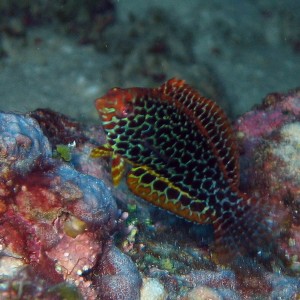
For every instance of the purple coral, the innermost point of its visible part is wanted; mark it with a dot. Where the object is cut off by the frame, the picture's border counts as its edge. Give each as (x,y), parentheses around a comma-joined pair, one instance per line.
(117,277)
(96,207)
(22,142)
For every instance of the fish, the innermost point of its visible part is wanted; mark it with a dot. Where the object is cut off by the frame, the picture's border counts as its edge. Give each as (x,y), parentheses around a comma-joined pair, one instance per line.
(184,159)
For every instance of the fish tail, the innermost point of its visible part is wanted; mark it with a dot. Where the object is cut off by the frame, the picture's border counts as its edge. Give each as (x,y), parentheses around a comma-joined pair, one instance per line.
(246,230)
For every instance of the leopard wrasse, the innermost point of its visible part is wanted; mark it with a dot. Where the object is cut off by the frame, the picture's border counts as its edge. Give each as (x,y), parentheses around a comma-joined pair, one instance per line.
(184,158)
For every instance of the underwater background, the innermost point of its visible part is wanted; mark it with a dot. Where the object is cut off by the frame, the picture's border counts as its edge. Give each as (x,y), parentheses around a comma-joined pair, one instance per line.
(64,54)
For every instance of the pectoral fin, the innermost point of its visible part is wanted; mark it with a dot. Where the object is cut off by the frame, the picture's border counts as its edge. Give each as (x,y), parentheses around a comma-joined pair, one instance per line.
(117,164)
(102,151)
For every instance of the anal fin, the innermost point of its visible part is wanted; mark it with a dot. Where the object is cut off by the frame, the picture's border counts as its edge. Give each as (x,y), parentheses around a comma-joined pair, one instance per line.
(158,190)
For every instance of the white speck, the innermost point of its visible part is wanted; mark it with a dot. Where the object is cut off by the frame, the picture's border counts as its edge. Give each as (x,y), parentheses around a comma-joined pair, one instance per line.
(85,268)
(66,254)
(124,215)
(292,242)
(72,145)
(58,268)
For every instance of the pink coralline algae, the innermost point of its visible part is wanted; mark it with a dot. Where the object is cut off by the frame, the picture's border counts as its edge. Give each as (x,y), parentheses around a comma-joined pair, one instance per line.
(269,138)
(276,110)
(55,222)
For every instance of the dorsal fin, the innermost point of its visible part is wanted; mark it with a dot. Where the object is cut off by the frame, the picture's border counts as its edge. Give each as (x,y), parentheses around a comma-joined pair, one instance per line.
(214,123)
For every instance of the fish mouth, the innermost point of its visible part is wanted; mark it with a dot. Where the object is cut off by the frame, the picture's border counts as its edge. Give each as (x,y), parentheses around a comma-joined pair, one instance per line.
(105,104)
(105,109)
(117,102)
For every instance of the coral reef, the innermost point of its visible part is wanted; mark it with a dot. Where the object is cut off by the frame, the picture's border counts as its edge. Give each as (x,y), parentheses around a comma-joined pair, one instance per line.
(56,223)
(60,224)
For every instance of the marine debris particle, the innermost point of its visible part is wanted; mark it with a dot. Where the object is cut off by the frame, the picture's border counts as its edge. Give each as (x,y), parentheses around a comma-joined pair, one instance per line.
(184,159)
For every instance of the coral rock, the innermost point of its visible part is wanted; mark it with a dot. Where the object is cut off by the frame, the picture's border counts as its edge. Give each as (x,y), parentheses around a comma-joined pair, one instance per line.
(152,289)
(202,292)
(22,142)
(118,277)
(269,139)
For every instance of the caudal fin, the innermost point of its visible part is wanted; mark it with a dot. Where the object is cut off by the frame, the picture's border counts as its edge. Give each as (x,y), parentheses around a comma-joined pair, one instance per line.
(248,232)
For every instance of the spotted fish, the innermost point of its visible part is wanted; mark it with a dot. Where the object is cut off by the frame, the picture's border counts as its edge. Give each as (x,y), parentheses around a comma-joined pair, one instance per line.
(183,155)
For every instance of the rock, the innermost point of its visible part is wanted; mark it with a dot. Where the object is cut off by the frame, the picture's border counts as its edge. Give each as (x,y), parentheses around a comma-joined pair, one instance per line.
(152,289)
(269,140)
(117,277)
(203,293)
